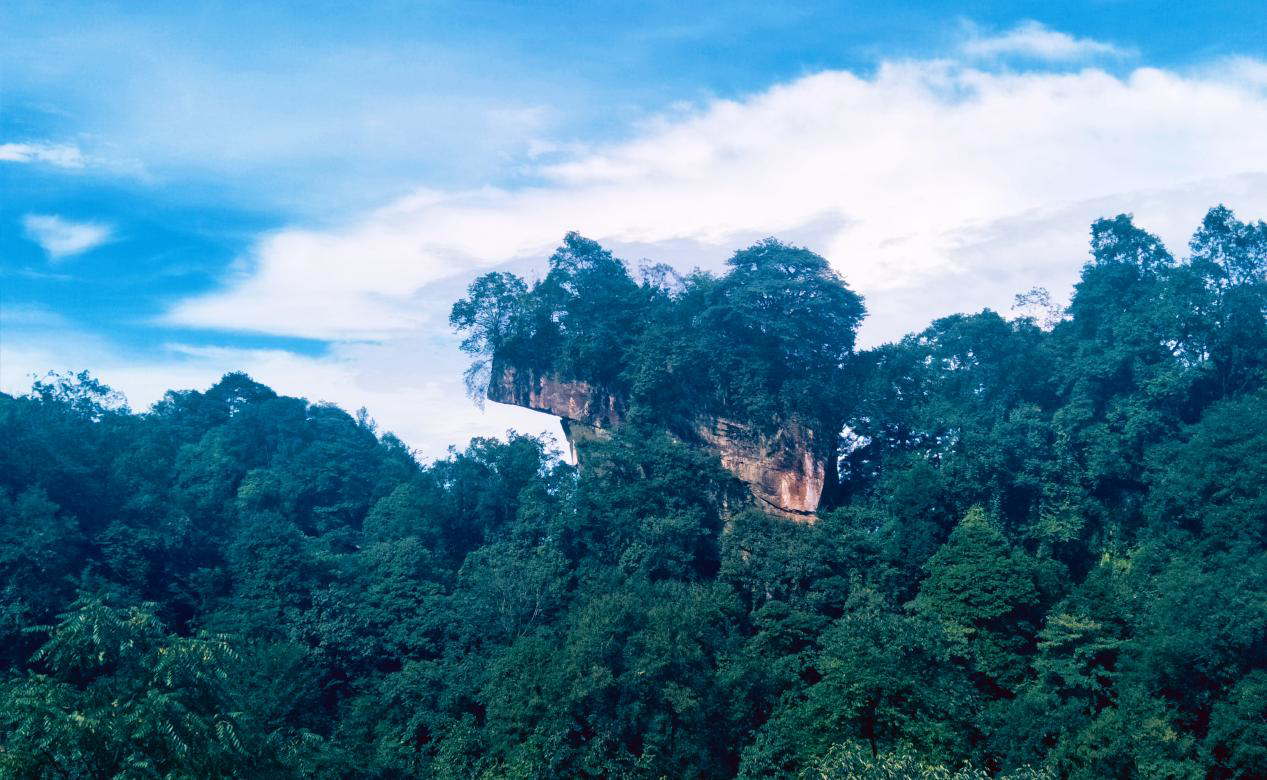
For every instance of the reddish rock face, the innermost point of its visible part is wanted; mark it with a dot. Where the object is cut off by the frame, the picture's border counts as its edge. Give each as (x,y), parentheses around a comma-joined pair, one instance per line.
(783,470)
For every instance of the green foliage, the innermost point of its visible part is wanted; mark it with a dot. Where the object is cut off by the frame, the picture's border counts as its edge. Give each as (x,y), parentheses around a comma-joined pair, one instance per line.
(983,594)
(493,320)
(119,698)
(879,676)
(1047,556)
(1213,481)
(766,342)
(851,761)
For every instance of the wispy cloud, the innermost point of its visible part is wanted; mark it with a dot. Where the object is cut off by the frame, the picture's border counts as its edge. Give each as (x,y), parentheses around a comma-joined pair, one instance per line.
(62,238)
(29,315)
(59,155)
(1033,40)
(371,113)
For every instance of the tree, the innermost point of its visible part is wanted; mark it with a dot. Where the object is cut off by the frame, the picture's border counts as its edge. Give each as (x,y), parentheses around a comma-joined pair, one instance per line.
(119,698)
(1211,481)
(1237,740)
(983,593)
(595,304)
(1229,260)
(854,761)
(882,678)
(788,322)
(41,553)
(493,318)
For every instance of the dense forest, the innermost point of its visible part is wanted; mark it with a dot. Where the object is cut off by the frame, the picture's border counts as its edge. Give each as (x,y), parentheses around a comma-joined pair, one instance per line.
(1044,555)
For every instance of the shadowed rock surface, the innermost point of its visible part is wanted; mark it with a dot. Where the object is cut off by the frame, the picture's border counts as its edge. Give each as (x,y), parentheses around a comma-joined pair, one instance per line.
(783,470)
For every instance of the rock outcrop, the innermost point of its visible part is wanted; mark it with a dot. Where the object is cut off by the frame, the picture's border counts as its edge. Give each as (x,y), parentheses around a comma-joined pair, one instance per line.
(785,471)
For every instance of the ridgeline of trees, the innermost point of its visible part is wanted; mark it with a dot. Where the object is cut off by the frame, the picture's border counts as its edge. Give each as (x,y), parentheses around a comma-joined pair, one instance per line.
(1047,556)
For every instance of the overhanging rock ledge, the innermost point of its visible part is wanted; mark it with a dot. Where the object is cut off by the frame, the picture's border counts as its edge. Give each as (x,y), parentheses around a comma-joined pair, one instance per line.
(784,470)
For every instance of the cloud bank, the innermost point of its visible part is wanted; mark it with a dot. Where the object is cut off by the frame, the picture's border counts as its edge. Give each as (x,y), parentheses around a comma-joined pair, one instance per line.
(924,176)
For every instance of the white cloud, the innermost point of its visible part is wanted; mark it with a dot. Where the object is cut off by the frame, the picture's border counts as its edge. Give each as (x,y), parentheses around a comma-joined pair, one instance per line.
(60,155)
(1035,41)
(62,238)
(908,181)
(407,397)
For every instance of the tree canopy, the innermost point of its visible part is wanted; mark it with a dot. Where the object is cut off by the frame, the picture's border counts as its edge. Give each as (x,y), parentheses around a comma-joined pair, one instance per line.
(767,341)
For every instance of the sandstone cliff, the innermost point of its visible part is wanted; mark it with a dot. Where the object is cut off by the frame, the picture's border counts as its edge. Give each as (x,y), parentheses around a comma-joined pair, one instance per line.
(784,470)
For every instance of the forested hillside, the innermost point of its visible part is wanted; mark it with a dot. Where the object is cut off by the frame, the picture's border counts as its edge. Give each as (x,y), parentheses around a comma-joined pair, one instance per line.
(1045,554)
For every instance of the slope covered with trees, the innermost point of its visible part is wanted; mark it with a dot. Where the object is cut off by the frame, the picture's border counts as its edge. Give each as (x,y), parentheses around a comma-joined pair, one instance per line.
(1047,555)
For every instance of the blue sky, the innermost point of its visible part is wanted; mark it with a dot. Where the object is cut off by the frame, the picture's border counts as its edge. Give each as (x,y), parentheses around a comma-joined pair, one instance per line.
(301,190)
